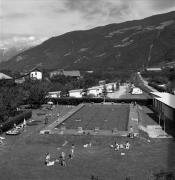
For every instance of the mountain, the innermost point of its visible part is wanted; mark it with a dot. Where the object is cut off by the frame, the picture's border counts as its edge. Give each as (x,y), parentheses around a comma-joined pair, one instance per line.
(11,45)
(7,53)
(123,46)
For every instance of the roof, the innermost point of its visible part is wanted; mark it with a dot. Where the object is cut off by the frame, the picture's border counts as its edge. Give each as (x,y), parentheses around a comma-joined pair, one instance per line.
(95,87)
(54,92)
(154,69)
(71,73)
(66,73)
(75,90)
(4,76)
(22,76)
(35,69)
(165,98)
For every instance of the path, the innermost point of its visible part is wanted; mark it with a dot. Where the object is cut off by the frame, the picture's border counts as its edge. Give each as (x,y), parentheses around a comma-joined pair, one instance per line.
(150,126)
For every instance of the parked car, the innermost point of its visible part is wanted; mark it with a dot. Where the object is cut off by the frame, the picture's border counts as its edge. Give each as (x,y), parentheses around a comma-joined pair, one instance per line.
(32,122)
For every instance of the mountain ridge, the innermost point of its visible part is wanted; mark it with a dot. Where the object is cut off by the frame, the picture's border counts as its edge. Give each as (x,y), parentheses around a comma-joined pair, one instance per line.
(117,46)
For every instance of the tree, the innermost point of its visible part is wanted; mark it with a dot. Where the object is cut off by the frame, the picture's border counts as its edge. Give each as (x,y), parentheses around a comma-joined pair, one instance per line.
(85,91)
(10,99)
(64,92)
(37,93)
(104,92)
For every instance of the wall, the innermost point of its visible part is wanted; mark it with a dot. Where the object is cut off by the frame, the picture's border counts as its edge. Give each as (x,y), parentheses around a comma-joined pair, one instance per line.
(36,74)
(75,94)
(168,112)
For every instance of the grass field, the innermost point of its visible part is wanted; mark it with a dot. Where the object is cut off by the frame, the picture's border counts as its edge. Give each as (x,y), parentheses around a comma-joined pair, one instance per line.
(106,117)
(22,157)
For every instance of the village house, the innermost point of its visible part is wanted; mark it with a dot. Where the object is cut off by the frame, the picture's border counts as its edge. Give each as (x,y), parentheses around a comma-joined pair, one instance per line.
(73,74)
(36,74)
(4,76)
(21,79)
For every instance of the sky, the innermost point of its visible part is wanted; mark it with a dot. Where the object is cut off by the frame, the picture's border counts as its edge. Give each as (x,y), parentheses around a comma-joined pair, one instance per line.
(37,20)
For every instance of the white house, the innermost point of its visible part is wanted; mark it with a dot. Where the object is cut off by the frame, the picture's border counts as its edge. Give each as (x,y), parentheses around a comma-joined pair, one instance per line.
(76,93)
(36,74)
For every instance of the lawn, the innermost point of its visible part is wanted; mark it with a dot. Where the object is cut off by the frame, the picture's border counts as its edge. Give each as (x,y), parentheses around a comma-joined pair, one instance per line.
(106,117)
(22,157)
(25,159)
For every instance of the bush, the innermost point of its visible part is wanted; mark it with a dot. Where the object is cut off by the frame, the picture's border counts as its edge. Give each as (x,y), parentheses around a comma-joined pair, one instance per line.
(76,101)
(15,120)
(155,86)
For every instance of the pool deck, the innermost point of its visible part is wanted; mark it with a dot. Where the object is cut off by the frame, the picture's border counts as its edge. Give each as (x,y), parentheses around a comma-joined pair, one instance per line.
(60,120)
(52,128)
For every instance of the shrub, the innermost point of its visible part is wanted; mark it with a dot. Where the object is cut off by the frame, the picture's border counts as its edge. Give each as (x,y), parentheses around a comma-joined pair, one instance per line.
(76,101)
(15,120)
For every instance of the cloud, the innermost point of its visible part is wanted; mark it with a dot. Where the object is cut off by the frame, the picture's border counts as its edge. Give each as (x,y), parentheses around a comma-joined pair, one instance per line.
(15,16)
(16,40)
(47,18)
(162,4)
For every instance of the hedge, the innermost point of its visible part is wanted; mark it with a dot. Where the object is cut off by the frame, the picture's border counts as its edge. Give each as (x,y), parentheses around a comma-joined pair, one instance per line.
(155,86)
(76,101)
(15,120)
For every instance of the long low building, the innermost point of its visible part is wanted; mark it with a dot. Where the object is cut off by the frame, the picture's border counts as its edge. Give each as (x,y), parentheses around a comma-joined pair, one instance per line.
(77,93)
(54,94)
(164,104)
(95,91)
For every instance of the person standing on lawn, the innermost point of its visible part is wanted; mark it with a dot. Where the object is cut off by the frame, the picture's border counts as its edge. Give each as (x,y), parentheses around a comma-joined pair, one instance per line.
(47,159)
(46,120)
(63,159)
(24,123)
(72,150)
(127,146)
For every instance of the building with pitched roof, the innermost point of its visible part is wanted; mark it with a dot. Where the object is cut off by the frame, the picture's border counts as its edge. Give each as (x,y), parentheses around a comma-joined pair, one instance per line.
(36,74)
(77,93)
(74,74)
(4,76)
(164,104)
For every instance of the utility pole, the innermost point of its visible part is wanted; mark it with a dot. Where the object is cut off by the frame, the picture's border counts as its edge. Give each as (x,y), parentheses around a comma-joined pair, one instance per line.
(159,117)
(164,124)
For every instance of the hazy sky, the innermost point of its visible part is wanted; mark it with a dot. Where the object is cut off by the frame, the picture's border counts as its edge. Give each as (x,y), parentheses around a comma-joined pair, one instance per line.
(46,18)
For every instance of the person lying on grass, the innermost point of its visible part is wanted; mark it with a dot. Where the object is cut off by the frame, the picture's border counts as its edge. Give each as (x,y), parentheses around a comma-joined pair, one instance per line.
(117,146)
(48,162)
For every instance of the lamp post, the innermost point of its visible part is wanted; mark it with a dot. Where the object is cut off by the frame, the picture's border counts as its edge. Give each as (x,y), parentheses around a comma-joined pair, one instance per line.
(164,124)
(159,118)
